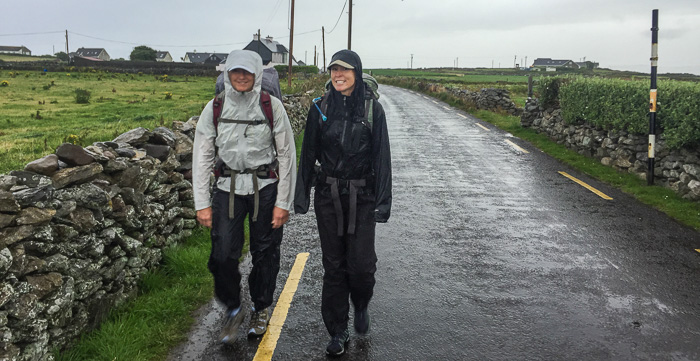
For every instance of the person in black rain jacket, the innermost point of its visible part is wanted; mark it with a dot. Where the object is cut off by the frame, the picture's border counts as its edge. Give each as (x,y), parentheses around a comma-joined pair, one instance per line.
(346,133)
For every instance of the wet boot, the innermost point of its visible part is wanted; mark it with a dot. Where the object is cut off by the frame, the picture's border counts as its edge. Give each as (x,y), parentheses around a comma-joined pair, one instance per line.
(258,323)
(336,346)
(362,322)
(234,318)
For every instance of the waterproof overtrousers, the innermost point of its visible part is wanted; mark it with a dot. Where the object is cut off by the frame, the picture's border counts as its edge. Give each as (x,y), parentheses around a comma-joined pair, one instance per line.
(349,260)
(227,238)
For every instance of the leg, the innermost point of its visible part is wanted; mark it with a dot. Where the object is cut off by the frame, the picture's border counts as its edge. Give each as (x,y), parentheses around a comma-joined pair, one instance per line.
(264,249)
(361,255)
(226,243)
(334,298)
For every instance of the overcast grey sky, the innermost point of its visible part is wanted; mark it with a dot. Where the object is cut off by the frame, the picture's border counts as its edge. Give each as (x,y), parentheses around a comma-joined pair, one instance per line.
(615,33)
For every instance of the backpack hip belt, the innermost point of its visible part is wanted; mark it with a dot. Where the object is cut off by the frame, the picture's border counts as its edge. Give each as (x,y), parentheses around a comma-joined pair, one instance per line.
(265,171)
(353,185)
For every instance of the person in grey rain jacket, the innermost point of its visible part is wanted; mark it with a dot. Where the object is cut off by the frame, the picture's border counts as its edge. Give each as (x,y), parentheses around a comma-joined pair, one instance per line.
(256,174)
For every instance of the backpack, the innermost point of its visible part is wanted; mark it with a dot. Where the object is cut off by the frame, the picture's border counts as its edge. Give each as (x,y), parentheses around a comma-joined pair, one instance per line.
(370,83)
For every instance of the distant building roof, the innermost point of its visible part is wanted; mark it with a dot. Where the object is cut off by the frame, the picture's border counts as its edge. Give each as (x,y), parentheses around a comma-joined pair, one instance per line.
(161,54)
(90,52)
(204,57)
(550,62)
(13,48)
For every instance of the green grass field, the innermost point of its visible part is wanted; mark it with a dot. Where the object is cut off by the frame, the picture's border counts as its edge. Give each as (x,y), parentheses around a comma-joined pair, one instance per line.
(12,58)
(38,111)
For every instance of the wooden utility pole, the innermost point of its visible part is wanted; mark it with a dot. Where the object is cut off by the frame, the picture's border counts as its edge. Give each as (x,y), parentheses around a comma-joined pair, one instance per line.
(316,65)
(291,48)
(323,36)
(350,26)
(67,42)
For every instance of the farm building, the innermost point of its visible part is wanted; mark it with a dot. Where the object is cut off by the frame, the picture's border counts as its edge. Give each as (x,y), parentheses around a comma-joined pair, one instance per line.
(19,50)
(550,64)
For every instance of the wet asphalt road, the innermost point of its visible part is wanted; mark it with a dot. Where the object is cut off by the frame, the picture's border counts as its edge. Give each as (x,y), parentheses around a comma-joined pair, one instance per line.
(491,254)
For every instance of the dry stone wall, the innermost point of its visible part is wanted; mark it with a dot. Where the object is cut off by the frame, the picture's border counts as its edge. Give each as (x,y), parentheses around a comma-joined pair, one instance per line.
(678,170)
(80,227)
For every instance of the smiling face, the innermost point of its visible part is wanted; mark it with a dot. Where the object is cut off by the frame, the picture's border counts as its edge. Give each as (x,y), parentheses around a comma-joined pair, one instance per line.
(343,79)
(241,80)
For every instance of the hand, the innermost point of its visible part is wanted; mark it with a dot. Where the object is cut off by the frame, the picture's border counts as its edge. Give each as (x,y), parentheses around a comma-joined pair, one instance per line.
(204,217)
(279,217)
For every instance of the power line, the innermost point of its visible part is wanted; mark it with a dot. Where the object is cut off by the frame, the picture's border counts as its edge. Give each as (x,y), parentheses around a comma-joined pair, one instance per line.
(47,32)
(159,45)
(341,14)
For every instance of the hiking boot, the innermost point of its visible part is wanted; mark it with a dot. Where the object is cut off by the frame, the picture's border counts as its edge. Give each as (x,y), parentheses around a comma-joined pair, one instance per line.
(336,346)
(362,321)
(234,318)
(258,323)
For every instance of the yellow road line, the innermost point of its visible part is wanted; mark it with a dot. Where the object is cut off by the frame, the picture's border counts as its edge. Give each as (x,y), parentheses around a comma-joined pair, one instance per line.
(599,193)
(269,341)
(435,102)
(463,116)
(517,147)
(698,250)
(448,108)
(486,129)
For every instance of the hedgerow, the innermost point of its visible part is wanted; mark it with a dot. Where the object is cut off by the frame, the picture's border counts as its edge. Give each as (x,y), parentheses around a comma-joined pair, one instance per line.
(616,104)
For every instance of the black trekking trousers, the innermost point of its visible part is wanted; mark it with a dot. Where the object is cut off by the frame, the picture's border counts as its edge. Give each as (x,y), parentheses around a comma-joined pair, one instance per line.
(227,238)
(349,261)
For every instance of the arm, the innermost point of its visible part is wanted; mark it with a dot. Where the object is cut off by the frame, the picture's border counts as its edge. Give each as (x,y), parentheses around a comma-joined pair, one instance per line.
(381,164)
(287,157)
(202,164)
(307,161)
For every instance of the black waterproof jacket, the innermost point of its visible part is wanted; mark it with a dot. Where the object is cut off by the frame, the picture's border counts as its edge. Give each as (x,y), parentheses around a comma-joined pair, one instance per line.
(346,148)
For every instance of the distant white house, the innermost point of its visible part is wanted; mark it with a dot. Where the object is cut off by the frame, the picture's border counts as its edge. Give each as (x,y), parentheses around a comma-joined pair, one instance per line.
(549,64)
(96,53)
(164,56)
(19,50)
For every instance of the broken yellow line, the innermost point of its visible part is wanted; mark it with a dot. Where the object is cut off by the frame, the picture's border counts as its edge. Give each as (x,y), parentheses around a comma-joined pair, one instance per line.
(599,193)
(269,341)
(463,116)
(483,127)
(517,147)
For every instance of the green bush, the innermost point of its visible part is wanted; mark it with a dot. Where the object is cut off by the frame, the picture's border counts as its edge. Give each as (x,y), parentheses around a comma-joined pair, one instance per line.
(548,91)
(82,96)
(615,104)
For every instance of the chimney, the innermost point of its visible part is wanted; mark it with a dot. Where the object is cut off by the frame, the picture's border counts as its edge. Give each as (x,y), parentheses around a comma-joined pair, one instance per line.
(268,38)
(256,37)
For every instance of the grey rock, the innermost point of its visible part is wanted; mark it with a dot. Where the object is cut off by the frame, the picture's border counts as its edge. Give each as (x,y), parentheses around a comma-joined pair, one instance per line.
(125,152)
(30,179)
(57,263)
(25,307)
(65,208)
(135,137)
(77,175)
(692,169)
(47,165)
(73,155)
(11,235)
(159,152)
(136,177)
(7,292)
(44,284)
(163,136)
(7,182)
(8,204)
(86,195)
(116,165)
(35,197)
(183,147)
(34,215)
(99,154)
(5,260)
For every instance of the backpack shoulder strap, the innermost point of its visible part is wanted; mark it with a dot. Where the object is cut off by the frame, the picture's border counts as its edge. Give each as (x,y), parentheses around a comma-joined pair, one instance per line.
(324,108)
(266,105)
(218,107)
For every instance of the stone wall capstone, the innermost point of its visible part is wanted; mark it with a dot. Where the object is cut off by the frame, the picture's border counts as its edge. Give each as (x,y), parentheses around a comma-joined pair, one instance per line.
(80,227)
(678,170)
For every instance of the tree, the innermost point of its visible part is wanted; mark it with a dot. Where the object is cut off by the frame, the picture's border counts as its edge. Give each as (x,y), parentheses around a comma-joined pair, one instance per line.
(143,52)
(61,55)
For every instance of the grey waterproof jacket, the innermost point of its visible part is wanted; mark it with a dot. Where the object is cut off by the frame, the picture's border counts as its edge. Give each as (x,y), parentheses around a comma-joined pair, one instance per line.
(244,146)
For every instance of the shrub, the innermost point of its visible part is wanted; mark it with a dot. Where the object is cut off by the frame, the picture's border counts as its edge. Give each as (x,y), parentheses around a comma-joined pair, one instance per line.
(82,96)
(168,95)
(5,83)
